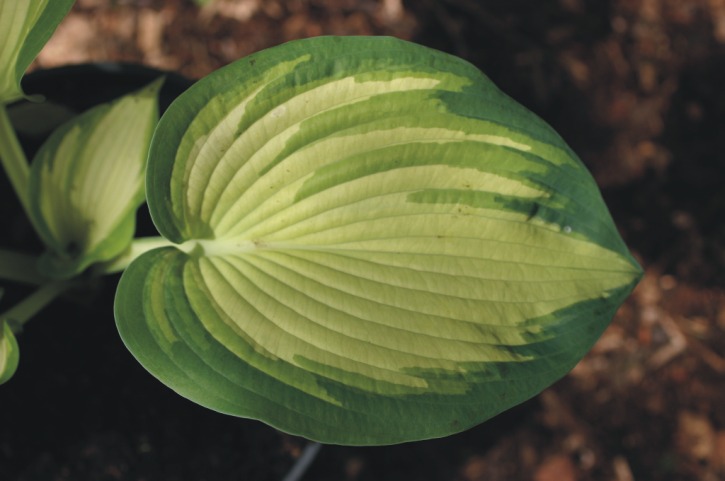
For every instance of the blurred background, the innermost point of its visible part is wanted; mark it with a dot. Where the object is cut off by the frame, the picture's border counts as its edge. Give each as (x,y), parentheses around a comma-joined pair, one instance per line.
(636,87)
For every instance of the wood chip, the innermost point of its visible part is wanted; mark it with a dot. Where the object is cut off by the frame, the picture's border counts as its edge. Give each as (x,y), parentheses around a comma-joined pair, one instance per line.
(556,468)
(695,436)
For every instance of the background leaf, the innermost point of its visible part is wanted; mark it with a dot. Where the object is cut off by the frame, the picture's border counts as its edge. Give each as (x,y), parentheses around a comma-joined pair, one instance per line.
(376,245)
(87,181)
(25,27)
(9,352)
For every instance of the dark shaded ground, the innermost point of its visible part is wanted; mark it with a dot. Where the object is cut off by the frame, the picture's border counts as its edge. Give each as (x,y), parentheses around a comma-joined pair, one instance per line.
(635,86)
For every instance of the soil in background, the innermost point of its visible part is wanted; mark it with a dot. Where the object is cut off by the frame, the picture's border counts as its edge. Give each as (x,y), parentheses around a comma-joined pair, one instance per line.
(634,86)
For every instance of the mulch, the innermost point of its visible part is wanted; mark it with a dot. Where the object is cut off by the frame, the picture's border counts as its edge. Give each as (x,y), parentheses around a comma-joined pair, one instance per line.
(634,86)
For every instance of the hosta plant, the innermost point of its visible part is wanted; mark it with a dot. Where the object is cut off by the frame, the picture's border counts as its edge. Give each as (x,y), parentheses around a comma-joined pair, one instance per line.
(362,240)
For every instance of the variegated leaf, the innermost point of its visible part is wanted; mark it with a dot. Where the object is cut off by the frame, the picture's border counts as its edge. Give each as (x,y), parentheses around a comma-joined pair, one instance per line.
(376,245)
(25,26)
(9,352)
(87,181)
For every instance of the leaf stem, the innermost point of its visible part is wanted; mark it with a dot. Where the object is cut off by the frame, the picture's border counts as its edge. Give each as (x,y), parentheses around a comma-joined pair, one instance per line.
(139,246)
(31,305)
(13,159)
(303,462)
(19,267)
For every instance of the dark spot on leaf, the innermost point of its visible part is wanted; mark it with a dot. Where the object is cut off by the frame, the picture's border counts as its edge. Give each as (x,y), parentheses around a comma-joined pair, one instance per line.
(534,210)
(72,249)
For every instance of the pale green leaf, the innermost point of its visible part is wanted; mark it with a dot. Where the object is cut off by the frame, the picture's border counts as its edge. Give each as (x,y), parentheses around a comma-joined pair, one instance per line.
(25,26)
(375,245)
(87,181)
(9,352)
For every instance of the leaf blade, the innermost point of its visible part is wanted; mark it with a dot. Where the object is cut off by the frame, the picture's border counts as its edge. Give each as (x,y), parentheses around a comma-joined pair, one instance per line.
(9,353)
(26,25)
(88,179)
(374,241)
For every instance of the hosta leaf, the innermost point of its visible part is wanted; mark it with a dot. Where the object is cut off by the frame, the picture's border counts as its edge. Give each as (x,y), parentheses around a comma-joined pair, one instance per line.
(375,245)
(9,353)
(88,179)
(25,26)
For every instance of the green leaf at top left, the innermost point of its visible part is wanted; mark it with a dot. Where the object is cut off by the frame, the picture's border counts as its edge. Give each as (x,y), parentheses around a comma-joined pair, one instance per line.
(87,181)
(25,26)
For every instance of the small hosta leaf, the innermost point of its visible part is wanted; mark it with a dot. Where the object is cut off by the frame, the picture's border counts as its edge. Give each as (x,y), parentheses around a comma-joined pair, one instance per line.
(25,26)
(9,352)
(375,245)
(88,179)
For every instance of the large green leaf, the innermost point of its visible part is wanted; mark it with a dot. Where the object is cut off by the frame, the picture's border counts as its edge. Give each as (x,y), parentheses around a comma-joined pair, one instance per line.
(25,26)
(87,181)
(375,245)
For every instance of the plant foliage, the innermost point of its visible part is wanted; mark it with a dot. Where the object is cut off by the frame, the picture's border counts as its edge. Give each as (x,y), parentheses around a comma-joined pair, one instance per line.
(375,245)
(87,181)
(9,353)
(25,26)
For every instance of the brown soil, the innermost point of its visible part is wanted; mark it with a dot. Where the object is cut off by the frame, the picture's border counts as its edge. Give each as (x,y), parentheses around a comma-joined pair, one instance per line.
(636,88)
